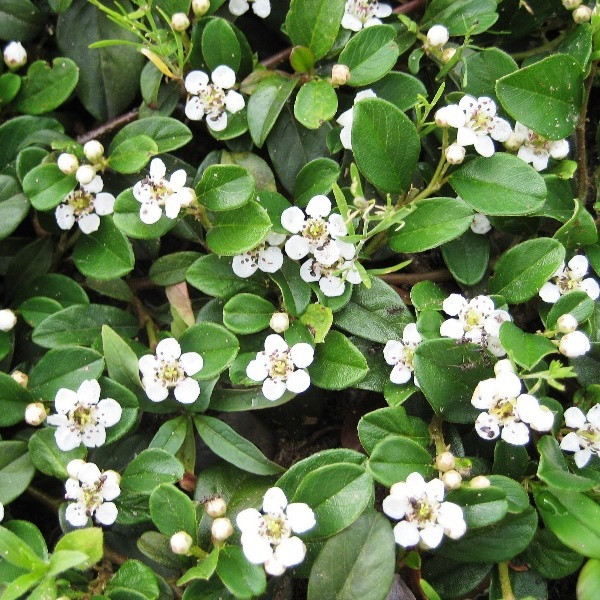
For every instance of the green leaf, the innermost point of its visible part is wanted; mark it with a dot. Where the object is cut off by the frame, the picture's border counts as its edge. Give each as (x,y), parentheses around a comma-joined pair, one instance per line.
(526,349)
(481,507)
(89,541)
(13,400)
(545,96)
(433,222)
(203,570)
(314,23)
(35,310)
(523,269)
(16,470)
(516,496)
(17,552)
(589,580)
(482,70)
(315,178)
(14,205)
(20,20)
(127,219)
(10,84)
(225,187)
(168,133)
(172,268)
(401,89)
(579,230)
(46,186)
(502,185)
(63,289)
(356,563)
(468,16)
(427,295)
(370,54)
(46,88)
(132,154)
(295,291)
(467,257)
(220,45)
(247,313)
(318,320)
(242,578)
(338,364)
(133,577)
(576,303)
(553,469)
(315,103)
(172,511)
(47,457)
(385,143)
(232,447)
(149,469)
(121,360)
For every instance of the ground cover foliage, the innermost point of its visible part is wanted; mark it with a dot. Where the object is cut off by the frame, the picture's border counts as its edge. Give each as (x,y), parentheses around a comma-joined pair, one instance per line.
(299,299)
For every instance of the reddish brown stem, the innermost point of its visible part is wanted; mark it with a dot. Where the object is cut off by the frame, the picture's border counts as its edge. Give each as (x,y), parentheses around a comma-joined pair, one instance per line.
(412,278)
(408,7)
(109,126)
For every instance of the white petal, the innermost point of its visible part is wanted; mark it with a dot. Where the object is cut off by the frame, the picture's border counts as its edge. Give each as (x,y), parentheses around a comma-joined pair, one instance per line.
(411,335)
(168,349)
(248,520)
(454,115)
(89,223)
(234,102)
(468,104)
(393,351)
(243,265)
(275,343)
(516,434)
(194,109)
(400,374)
(300,516)
(65,400)
(150,213)
(332,287)
(297,247)
(416,484)
(223,76)
(75,514)
(465,136)
(291,551)
(94,186)
(509,385)
(487,426)
(89,474)
(158,169)
(261,8)
(292,219)
(435,489)
(177,180)
(590,287)
(65,217)
(89,392)
(527,407)
(104,203)
(574,417)
(582,457)
(483,396)
(593,415)
(347,250)
(395,506)
(273,390)
(346,137)
(93,436)
(217,122)
(540,161)
(302,355)
(106,513)
(484,145)
(345,119)
(328,254)
(172,206)
(351,22)
(66,439)
(191,362)
(549,292)
(257,550)
(432,535)
(238,7)
(578,266)
(148,364)
(108,412)
(274,566)
(570,443)
(502,130)
(257,370)
(270,259)
(310,271)
(275,239)
(543,420)
(157,392)
(452,328)
(406,534)
(195,81)
(318,206)
(382,10)
(453,304)
(298,381)
(187,391)
(274,501)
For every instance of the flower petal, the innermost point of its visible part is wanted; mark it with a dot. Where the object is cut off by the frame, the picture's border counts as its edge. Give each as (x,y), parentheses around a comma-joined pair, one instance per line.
(187,391)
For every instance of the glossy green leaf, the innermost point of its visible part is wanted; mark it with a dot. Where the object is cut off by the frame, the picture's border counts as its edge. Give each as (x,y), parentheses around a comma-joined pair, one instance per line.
(225,187)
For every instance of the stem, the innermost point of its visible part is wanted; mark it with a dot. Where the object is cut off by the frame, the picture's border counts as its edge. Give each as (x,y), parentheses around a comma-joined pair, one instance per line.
(109,126)
(540,49)
(437,434)
(412,278)
(407,7)
(273,61)
(582,166)
(507,593)
(437,179)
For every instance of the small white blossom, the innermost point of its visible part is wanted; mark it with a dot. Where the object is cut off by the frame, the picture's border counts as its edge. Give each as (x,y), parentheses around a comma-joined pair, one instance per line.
(332,279)
(212,100)
(509,410)
(476,321)
(585,440)
(261,8)
(221,529)
(169,369)
(423,515)
(340,74)
(267,536)
(476,122)
(93,150)
(266,257)
(35,413)
(437,36)
(181,542)
(364,13)
(536,149)
(93,492)
(455,154)
(346,118)
(582,14)
(8,319)
(15,56)
(67,163)
(200,7)
(81,417)
(568,278)
(480,224)
(85,174)
(574,344)
(571,4)
(85,206)
(279,322)
(180,21)
(155,191)
(401,354)
(216,507)
(280,367)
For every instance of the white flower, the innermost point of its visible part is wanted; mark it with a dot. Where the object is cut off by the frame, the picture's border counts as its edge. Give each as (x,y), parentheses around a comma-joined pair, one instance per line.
(280,367)
(85,206)
(438,35)
(154,191)
(423,516)
(480,224)
(92,491)
(332,279)
(261,8)
(81,417)
(536,149)
(346,118)
(509,410)
(585,440)
(211,99)
(401,354)
(574,344)
(568,278)
(15,56)
(267,536)
(364,13)
(171,369)
(200,7)
(312,233)
(266,257)
(8,319)
(476,122)
(476,321)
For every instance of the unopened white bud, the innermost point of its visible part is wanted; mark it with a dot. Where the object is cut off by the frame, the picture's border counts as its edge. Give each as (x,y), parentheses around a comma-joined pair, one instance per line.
(85,174)
(216,507)
(455,154)
(448,54)
(441,117)
(74,467)
(279,322)
(567,323)
(221,529)
(186,196)
(583,14)
(93,150)
(35,414)
(339,74)
(574,344)
(480,224)
(200,7)
(8,319)
(479,482)
(180,22)
(514,142)
(445,461)
(21,378)
(15,56)
(67,163)
(438,35)
(452,480)
(181,542)
(571,4)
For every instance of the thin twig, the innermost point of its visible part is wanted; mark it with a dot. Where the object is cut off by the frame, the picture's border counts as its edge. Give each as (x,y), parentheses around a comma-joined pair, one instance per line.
(583,178)
(109,126)
(408,7)
(412,278)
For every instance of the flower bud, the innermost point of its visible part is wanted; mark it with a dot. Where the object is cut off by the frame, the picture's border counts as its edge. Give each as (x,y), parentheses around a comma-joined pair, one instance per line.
(15,56)
(200,7)
(93,150)
(445,461)
(279,322)
(186,196)
(85,174)
(574,344)
(21,378)
(571,4)
(8,319)
(441,117)
(216,507)
(180,21)
(514,142)
(74,467)
(583,14)
(452,479)
(181,542)
(438,35)
(480,482)
(339,74)
(35,414)
(455,154)
(480,224)
(448,54)
(221,529)
(67,163)
(567,323)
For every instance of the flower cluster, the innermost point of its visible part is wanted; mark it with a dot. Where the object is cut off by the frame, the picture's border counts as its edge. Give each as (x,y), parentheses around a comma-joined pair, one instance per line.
(423,515)
(84,173)
(507,409)
(584,441)
(569,278)
(536,149)
(267,536)
(401,354)
(364,13)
